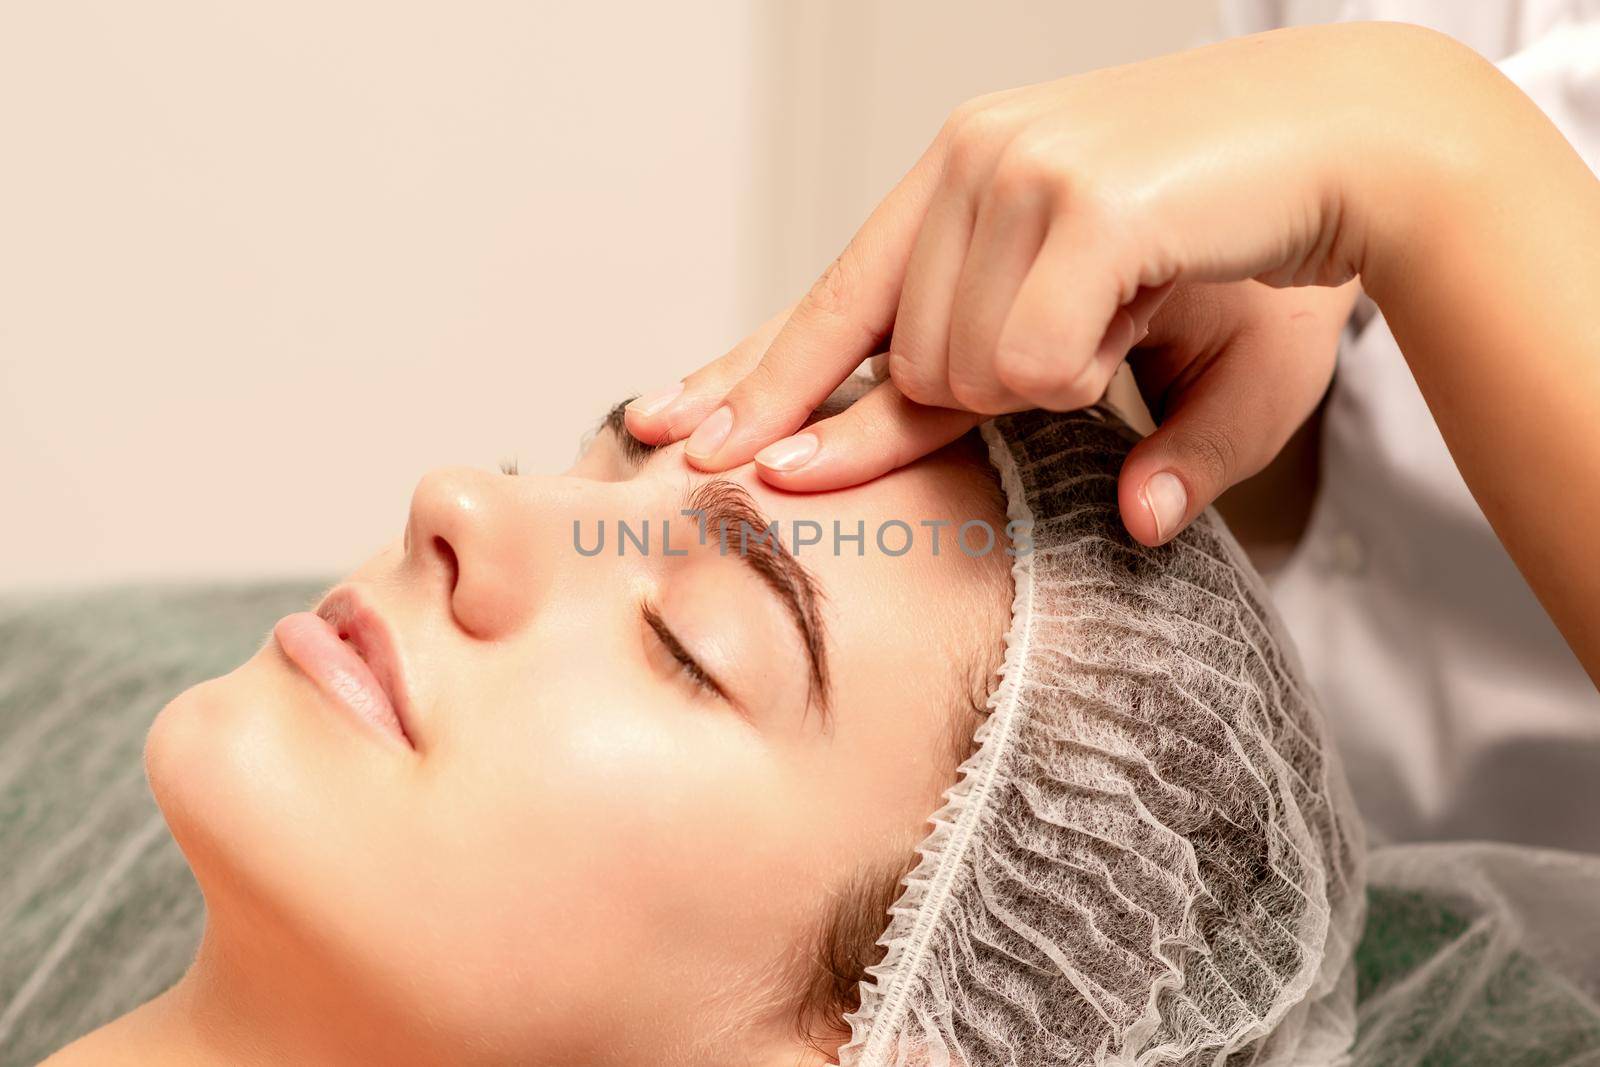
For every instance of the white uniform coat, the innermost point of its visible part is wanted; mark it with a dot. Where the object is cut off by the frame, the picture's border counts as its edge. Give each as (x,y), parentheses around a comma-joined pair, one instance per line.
(1458,708)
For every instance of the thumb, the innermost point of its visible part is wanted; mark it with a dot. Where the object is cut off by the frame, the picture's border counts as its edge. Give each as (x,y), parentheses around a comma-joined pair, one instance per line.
(1225,425)
(1175,473)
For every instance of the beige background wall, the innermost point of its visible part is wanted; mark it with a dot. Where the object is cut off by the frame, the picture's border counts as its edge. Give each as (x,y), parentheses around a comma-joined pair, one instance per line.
(262,265)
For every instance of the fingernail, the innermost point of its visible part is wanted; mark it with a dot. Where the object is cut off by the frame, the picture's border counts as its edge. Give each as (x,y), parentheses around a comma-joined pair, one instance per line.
(791,453)
(1167,500)
(710,434)
(656,402)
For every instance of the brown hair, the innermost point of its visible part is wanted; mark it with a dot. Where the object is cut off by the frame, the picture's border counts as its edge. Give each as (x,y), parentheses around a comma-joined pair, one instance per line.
(846,943)
(847,939)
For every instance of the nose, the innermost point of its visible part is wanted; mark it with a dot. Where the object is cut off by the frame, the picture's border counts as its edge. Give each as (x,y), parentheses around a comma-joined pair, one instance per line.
(481,543)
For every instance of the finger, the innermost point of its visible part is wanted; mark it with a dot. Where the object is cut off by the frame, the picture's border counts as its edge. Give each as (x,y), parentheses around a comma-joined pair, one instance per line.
(918,357)
(1226,424)
(881,432)
(1129,325)
(662,416)
(839,323)
(1068,328)
(1140,312)
(1009,233)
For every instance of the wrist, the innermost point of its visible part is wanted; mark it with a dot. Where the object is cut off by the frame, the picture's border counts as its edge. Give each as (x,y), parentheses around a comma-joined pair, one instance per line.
(1428,154)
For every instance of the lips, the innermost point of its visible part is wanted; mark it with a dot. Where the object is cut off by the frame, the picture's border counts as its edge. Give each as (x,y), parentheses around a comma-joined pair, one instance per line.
(348,650)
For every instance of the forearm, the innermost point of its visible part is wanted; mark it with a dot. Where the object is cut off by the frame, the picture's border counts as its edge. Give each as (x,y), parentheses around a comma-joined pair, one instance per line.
(1485,259)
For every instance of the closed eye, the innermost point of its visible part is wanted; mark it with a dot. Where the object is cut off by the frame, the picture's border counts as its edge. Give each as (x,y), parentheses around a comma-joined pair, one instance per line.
(690,667)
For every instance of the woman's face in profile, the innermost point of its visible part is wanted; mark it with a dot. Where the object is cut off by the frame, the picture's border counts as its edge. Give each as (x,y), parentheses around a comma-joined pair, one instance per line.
(633,782)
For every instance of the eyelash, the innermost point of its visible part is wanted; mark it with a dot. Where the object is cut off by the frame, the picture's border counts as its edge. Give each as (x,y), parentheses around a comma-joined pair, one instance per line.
(687,664)
(691,668)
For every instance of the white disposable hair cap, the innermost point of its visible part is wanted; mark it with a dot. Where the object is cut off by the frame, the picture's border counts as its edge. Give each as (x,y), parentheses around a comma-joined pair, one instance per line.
(1151,857)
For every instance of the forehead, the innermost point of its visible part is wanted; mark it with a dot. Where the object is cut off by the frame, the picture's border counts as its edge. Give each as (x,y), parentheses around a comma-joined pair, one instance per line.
(943,490)
(894,578)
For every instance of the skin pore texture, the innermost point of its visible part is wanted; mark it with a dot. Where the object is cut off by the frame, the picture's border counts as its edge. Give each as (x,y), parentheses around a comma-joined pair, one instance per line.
(591,855)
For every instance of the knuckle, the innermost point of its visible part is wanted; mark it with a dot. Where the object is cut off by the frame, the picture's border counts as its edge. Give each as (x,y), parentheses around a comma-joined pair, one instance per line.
(714,379)
(961,114)
(909,379)
(1210,448)
(1085,391)
(974,142)
(1101,212)
(961,389)
(868,422)
(763,379)
(899,443)
(986,123)
(1027,375)
(1029,165)
(965,163)
(973,394)
(977,109)
(834,292)
(732,365)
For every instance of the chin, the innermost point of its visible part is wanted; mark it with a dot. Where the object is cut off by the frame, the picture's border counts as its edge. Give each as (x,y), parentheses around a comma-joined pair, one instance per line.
(191,771)
(281,813)
(235,772)
(221,759)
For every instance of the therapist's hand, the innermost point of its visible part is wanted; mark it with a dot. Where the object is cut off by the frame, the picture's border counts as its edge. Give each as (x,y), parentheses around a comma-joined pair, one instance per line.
(1038,238)
(1230,372)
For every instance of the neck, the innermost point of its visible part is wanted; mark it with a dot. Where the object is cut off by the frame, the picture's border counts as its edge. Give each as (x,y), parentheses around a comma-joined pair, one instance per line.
(179,1028)
(238,1006)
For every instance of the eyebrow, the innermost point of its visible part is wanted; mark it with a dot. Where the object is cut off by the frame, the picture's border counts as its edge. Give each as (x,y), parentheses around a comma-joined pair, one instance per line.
(725,509)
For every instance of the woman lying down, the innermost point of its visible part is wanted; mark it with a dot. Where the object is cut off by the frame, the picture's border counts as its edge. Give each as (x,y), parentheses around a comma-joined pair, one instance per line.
(518,795)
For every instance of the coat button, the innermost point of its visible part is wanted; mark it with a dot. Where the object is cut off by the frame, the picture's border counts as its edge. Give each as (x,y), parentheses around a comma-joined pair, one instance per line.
(1346,553)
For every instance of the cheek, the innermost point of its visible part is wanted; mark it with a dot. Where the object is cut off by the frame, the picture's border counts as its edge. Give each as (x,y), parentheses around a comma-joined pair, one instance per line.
(607,834)
(595,788)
